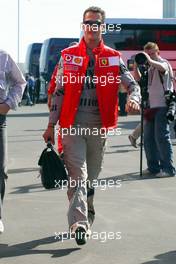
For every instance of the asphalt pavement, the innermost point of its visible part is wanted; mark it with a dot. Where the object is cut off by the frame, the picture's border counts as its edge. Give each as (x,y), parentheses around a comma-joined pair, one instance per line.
(135,217)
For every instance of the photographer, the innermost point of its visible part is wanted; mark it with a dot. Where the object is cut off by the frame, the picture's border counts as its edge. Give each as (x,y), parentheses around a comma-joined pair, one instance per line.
(157,142)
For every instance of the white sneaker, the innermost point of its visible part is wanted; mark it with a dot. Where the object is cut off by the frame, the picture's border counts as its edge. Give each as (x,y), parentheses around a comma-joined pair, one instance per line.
(163,174)
(1,227)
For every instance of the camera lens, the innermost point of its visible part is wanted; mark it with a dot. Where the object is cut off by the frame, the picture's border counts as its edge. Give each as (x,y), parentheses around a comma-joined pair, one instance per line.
(140,58)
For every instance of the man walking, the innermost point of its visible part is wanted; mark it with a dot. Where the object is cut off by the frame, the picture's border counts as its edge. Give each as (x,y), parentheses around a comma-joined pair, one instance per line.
(85,100)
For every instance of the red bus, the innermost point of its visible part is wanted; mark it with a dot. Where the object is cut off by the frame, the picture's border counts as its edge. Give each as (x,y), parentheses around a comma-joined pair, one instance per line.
(135,33)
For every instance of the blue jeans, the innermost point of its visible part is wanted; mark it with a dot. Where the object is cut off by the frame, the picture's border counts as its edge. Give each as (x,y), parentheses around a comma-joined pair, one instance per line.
(3,158)
(157,143)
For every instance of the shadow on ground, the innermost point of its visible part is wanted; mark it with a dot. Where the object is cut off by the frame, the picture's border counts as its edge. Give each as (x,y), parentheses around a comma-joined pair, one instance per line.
(28,248)
(165,258)
(28,115)
(22,170)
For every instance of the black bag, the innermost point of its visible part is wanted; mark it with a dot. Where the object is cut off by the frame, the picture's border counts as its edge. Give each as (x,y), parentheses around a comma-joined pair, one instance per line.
(52,169)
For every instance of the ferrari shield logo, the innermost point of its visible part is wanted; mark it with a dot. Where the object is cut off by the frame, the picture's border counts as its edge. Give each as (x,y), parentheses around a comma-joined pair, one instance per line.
(104,62)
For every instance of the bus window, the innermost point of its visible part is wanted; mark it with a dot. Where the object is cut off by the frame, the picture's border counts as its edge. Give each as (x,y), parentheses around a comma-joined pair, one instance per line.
(144,36)
(49,56)
(167,39)
(120,40)
(32,59)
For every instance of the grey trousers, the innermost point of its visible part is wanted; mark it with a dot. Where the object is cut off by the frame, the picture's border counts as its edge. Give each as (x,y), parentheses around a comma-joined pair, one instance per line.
(83,156)
(3,158)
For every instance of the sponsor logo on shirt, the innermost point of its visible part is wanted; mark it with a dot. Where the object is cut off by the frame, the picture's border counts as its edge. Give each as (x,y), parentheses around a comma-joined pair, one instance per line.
(68,58)
(104,62)
(109,61)
(71,67)
(75,60)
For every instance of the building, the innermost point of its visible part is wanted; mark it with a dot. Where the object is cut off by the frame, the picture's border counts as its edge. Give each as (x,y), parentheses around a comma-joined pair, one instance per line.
(169,8)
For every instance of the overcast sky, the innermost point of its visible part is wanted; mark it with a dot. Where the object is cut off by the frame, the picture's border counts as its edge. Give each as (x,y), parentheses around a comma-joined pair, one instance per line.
(42,19)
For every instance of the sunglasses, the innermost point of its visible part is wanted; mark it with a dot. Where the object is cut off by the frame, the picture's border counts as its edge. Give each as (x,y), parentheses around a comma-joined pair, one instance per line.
(91,22)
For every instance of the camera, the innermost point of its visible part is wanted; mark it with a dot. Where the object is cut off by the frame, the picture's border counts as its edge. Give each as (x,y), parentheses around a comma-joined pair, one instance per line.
(170,98)
(140,59)
(142,63)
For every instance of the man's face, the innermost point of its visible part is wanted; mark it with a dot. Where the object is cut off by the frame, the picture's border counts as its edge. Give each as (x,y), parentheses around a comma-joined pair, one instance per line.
(153,53)
(92,26)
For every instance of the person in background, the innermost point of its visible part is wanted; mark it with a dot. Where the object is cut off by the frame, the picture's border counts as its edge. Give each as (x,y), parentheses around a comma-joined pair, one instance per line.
(31,88)
(133,137)
(157,141)
(27,92)
(12,85)
(37,90)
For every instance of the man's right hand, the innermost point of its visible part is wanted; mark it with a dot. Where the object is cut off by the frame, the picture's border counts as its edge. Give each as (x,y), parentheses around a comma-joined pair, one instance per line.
(49,135)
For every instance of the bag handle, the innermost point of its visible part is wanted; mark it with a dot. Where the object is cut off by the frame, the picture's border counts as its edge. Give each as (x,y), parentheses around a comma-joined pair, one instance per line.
(49,145)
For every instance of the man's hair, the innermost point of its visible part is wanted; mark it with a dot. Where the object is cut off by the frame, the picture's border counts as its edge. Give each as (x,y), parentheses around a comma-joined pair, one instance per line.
(95,9)
(151,45)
